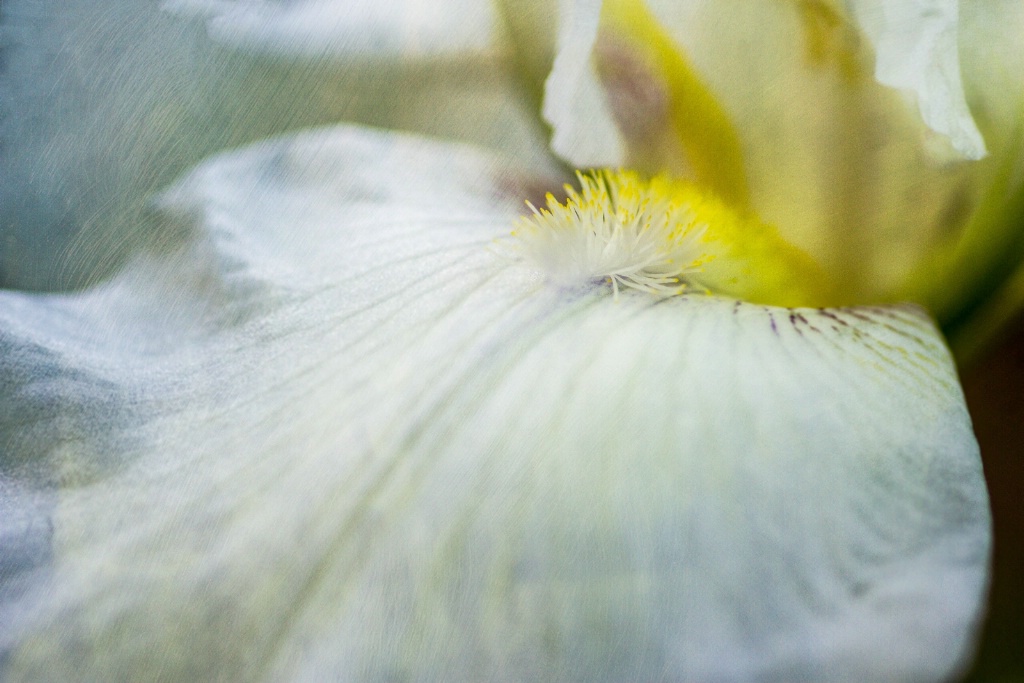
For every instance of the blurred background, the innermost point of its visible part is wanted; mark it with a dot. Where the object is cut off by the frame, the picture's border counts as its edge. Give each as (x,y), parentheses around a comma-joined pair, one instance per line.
(994,385)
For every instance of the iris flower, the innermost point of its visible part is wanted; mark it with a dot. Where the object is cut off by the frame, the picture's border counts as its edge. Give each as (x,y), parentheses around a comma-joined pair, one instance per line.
(347,409)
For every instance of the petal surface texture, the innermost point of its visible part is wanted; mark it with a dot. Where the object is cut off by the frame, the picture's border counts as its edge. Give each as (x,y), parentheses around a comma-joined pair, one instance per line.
(573,88)
(339,433)
(341,28)
(916,50)
(104,102)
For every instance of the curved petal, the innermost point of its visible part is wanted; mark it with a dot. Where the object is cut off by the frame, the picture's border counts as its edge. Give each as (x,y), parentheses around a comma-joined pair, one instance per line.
(584,131)
(992,58)
(992,62)
(916,50)
(326,28)
(838,161)
(381,447)
(103,102)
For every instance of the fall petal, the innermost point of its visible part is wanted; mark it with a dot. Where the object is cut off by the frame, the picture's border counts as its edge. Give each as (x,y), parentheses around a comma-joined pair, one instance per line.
(341,431)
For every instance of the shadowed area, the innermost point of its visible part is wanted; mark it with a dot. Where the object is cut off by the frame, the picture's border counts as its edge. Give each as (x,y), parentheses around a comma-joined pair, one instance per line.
(996,401)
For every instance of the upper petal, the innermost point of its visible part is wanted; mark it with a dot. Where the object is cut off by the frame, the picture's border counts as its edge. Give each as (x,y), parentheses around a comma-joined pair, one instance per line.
(916,49)
(584,132)
(381,447)
(776,108)
(992,60)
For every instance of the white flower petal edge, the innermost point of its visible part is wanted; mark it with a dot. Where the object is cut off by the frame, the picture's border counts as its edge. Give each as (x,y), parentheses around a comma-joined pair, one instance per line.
(575,104)
(916,51)
(341,435)
(348,27)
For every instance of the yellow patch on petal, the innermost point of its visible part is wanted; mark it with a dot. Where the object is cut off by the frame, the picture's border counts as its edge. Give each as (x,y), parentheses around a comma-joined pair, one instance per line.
(664,236)
(662,106)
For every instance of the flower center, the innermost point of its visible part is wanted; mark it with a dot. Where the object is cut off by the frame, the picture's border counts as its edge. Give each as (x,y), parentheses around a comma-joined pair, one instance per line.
(662,236)
(620,229)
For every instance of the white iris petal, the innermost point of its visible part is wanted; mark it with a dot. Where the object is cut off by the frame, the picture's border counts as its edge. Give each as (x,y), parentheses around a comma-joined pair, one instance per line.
(379,450)
(573,87)
(916,51)
(344,27)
